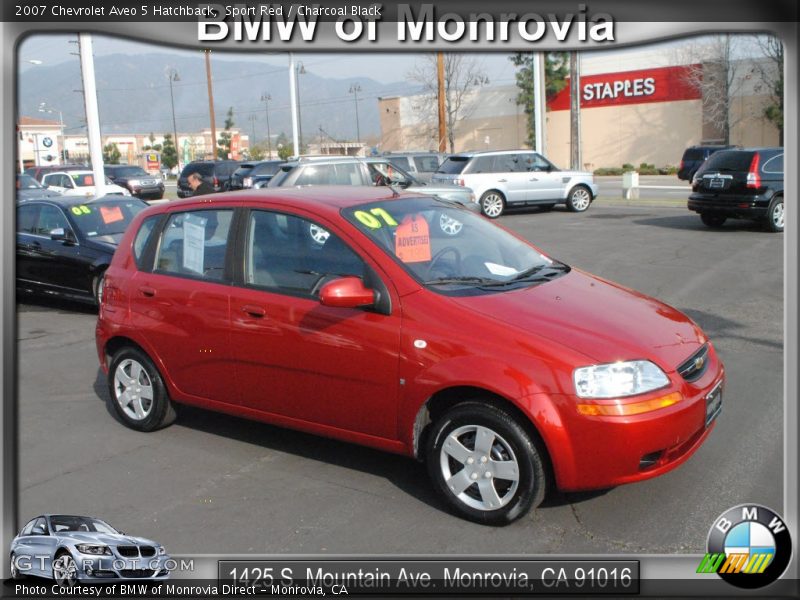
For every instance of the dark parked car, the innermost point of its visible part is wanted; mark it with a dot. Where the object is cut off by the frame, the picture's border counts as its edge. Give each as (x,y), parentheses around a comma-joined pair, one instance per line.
(139,182)
(38,172)
(254,174)
(28,187)
(216,173)
(742,184)
(65,244)
(693,157)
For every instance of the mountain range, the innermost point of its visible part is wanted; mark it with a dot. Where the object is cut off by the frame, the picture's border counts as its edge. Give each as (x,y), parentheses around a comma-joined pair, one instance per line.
(133,94)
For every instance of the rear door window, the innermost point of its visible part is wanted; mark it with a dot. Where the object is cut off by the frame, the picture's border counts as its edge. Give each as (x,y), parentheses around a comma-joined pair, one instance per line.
(27,216)
(194,244)
(400,161)
(510,163)
(317,175)
(427,163)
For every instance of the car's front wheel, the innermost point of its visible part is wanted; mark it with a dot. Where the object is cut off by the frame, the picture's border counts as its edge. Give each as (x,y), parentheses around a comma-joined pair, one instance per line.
(16,574)
(775,216)
(485,464)
(137,391)
(65,571)
(493,204)
(579,199)
(712,220)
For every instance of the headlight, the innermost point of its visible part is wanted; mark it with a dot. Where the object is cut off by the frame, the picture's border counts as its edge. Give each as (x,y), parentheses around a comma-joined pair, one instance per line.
(617,380)
(94,549)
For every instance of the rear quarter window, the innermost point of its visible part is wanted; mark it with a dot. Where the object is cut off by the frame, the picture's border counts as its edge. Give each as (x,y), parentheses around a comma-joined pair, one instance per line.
(774,165)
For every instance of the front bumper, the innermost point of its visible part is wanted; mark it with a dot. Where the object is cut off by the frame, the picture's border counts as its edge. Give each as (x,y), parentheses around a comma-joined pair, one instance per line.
(116,568)
(605,451)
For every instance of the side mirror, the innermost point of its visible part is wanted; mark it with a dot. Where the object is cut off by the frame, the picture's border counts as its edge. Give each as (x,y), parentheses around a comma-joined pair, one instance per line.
(346,292)
(38,530)
(58,234)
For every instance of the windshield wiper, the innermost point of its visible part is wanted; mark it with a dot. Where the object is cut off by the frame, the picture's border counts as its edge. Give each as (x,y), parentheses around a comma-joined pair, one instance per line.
(465,279)
(559,267)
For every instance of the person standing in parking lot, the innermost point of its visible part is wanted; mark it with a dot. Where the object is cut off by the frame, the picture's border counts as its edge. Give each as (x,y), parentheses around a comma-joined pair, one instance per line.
(199,187)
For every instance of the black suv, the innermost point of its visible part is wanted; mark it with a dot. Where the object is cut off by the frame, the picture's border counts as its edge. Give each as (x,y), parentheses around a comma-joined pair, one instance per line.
(139,182)
(254,174)
(693,157)
(217,173)
(743,184)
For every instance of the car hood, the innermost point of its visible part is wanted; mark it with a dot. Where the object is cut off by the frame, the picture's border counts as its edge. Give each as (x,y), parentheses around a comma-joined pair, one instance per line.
(107,243)
(109,539)
(600,319)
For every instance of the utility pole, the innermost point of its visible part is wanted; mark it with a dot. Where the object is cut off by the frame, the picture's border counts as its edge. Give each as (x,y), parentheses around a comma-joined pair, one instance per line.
(252,119)
(575,110)
(211,104)
(92,115)
(293,103)
(354,89)
(265,98)
(441,94)
(172,75)
(301,70)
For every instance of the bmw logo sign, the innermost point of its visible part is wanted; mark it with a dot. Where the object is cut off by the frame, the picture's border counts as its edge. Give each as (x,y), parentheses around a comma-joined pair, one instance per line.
(749,546)
(47,142)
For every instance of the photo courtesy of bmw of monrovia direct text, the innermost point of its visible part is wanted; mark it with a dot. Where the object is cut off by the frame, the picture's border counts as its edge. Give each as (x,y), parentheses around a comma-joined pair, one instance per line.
(419,299)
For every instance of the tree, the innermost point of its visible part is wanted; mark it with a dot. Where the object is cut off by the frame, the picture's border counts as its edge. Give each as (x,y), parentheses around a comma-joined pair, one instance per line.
(258,152)
(462,75)
(169,154)
(719,69)
(285,151)
(111,154)
(225,138)
(770,72)
(152,145)
(556,70)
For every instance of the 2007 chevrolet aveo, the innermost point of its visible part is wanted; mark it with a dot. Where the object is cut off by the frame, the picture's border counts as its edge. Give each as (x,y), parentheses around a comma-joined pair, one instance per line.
(347,312)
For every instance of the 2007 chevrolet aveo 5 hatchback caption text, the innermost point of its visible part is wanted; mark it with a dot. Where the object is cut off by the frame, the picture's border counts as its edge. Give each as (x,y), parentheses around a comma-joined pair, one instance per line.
(506,371)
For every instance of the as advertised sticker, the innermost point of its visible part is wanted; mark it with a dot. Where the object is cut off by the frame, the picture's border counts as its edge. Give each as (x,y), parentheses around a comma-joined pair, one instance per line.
(412,242)
(111,214)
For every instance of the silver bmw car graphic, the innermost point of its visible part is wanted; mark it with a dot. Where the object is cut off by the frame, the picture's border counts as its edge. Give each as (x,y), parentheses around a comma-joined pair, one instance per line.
(72,549)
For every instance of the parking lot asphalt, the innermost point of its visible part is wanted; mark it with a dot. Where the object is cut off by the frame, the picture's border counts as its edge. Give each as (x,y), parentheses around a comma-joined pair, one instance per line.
(218,484)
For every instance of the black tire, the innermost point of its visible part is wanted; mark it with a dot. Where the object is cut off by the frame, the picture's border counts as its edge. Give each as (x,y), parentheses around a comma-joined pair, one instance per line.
(774,221)
(16,574)
(147,416)
(712,220)
(493,204)
(511,442)
(579,199)
(97,287)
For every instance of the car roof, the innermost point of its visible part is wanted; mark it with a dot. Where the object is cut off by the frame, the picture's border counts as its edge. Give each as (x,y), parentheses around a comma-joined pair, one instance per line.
(318,198)
(489,153)
(68,201)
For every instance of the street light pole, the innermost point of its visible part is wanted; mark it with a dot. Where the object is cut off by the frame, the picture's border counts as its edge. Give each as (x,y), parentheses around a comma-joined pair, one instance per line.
(265,98)
(301,70)
(172,75)
(354,89)
(252,119)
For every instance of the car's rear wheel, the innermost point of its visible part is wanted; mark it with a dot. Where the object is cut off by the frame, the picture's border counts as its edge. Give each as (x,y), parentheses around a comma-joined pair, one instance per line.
(775,216)
(712,220)
(493,204)
(137,391)
(484,463)
(579,199)
(65,571)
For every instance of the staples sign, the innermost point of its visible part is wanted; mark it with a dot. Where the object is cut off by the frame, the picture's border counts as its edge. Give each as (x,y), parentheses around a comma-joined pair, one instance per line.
(665,84)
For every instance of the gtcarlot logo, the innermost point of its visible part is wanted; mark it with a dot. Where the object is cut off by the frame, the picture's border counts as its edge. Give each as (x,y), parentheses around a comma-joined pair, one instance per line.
(749,546)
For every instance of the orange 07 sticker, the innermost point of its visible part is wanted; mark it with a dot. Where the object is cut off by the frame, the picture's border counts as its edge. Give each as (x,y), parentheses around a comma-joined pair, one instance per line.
(412,242)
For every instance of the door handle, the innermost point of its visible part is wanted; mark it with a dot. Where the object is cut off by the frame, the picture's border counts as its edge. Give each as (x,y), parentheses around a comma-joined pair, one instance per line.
(502,180)
(254,311)
(533,179)
(147,291)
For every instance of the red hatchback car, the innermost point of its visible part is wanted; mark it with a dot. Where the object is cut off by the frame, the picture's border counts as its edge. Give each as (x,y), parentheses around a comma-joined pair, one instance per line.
(346,312)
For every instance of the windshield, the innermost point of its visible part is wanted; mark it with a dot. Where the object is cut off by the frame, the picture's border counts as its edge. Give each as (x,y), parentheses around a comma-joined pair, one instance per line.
(71,523)
(105,217)
(267,168)
(26,182)
(130,172)
(479,257)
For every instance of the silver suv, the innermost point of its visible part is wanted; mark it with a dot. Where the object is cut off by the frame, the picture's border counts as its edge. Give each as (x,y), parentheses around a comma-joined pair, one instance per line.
(517,177)
(347,170)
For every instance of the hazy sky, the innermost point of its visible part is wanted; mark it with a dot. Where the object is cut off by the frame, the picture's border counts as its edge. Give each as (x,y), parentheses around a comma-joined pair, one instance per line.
(382,67)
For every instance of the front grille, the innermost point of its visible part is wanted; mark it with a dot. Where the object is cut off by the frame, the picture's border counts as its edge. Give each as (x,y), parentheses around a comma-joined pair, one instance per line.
(694,367)
(128,551)
(147,551)
(137,572)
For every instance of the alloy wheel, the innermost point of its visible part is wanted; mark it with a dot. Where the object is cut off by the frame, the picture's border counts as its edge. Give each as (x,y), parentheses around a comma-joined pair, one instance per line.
(65,571)
(492,205)
(133,389)
(479,467)
(581,198)
(778,215)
